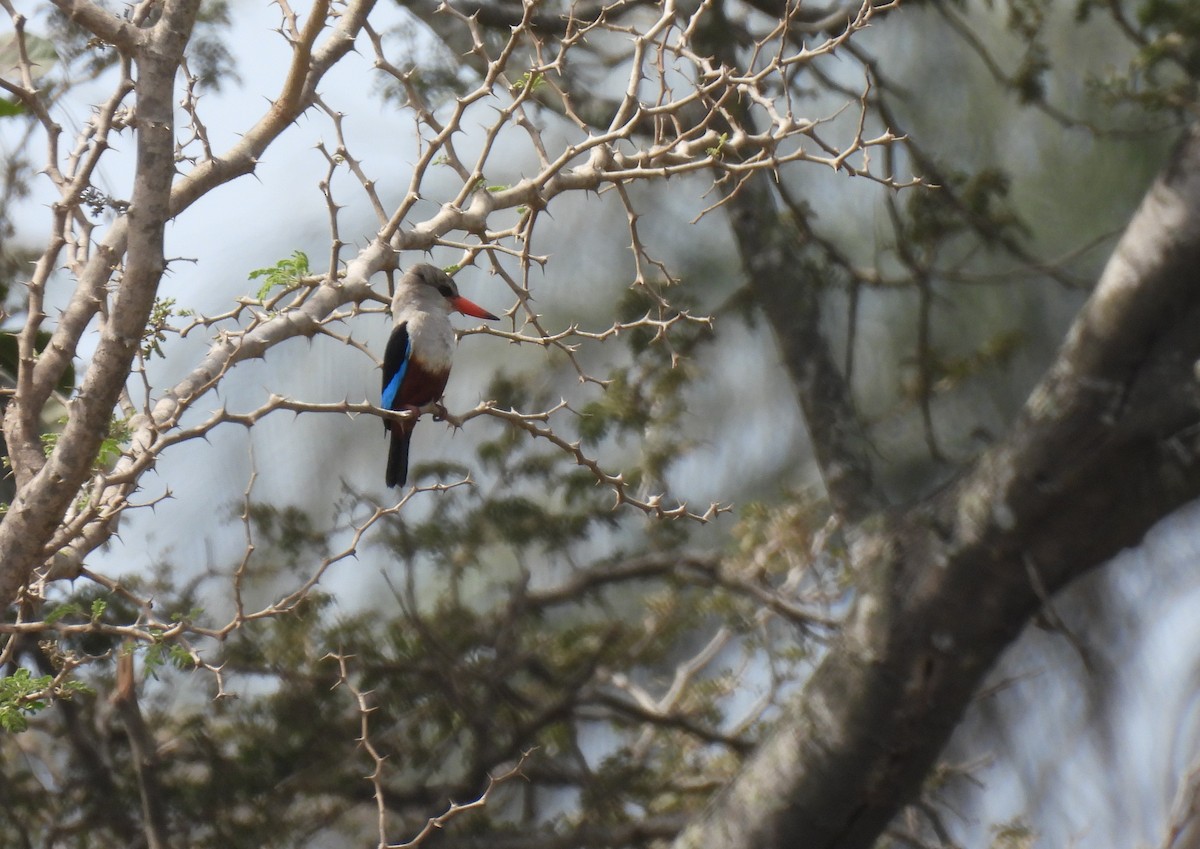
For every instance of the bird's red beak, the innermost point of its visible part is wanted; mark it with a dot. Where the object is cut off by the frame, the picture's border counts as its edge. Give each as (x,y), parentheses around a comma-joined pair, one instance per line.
(468,308)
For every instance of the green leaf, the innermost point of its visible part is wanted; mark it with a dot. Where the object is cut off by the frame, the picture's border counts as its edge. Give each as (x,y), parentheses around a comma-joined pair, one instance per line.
(68,609)
(283,274)
(19,697)
(156,328)
(153,659)
(533,80)
(111,448)
(181,658)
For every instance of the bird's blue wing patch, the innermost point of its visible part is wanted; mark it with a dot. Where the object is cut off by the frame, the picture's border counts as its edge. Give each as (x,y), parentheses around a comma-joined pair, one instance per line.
(395,365)
(393,387)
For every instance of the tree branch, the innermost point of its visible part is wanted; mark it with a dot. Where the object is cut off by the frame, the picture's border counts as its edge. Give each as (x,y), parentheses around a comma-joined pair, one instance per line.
(40,507)
(144,751)
(42,500)
(783,282)
(105,25)
(945,582)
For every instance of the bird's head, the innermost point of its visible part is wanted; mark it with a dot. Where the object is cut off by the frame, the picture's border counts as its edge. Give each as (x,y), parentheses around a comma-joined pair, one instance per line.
(419,285)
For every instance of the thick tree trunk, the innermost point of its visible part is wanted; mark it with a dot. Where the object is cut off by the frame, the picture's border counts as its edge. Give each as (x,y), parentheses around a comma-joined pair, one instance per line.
(47,486)
(1105,447)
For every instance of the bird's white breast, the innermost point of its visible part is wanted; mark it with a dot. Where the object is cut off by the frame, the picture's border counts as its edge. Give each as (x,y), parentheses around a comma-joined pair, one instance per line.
(430,332)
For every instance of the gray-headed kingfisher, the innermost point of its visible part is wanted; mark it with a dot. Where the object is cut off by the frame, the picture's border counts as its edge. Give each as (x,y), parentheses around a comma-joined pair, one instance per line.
(416,363)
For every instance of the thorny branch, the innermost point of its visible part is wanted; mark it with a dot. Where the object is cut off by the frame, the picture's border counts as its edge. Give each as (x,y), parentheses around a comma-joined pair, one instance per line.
(590,162)
(677,114)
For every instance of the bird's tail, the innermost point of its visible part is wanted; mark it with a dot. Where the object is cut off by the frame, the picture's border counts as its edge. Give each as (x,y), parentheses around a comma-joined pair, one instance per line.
(397,462)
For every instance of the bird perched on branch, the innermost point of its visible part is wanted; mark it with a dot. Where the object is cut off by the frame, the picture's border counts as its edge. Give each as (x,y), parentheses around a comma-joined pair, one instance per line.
(416,363)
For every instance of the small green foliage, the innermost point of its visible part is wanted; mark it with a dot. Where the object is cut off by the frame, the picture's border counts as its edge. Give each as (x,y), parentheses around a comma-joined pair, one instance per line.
(69,609)
(22,694)
(78,608)
(153,660)
(181,657)
(283,274)
(162,652)
(532,80)
(156,328)
(90,607)
(119,434)
(717,150)
(50,440)
(9,108)
(187,616)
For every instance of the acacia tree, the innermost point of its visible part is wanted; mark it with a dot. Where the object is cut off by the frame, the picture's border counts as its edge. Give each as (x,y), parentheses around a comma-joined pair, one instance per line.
(451,698)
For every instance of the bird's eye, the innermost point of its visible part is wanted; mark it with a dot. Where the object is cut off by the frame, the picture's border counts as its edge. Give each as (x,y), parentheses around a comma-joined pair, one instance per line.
(446,291)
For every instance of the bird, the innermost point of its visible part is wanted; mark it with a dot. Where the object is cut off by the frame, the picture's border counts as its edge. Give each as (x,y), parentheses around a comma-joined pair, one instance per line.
(416,362)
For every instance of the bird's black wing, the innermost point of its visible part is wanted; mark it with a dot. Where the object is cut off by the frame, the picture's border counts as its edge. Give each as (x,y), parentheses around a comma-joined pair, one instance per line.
(395,365)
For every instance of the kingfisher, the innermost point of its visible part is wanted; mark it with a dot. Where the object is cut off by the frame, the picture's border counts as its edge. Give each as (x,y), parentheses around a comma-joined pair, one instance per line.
(416,363)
